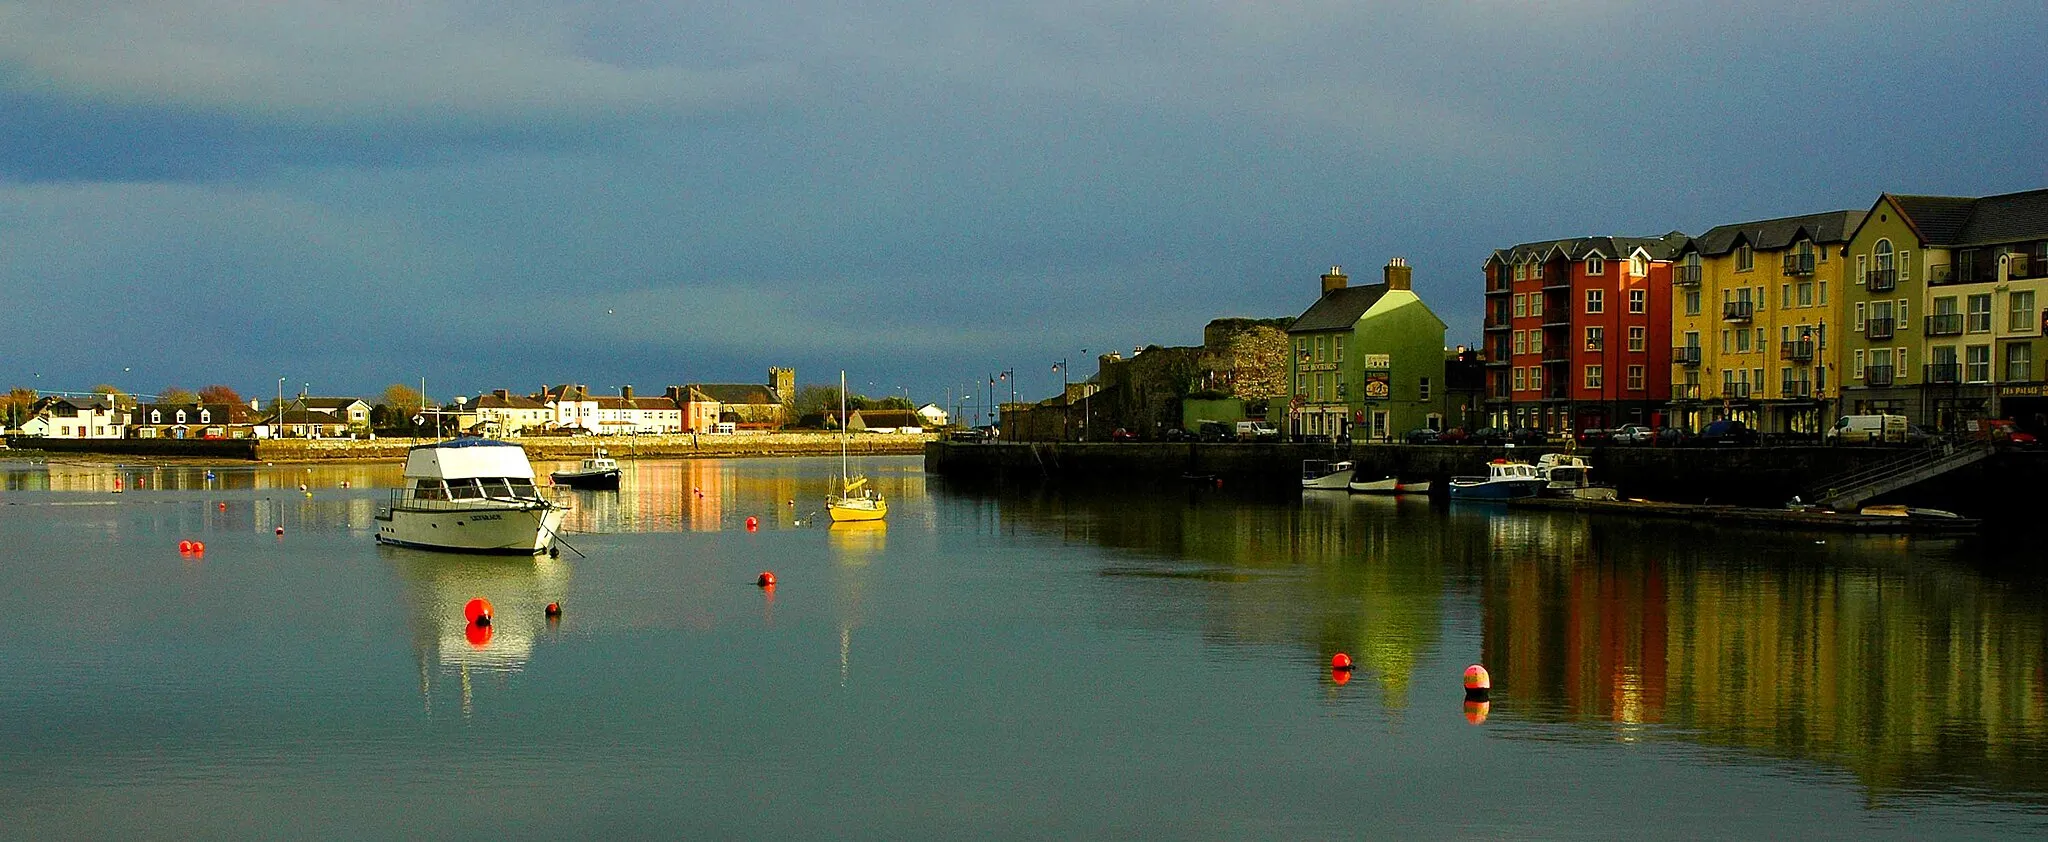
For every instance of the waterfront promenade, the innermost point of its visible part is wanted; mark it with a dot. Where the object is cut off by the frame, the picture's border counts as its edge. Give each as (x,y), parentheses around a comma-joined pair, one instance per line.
(778,443)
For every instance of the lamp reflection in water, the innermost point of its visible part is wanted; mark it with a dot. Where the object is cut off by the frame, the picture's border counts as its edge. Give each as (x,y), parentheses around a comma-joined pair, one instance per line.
(853,545)
(437,585)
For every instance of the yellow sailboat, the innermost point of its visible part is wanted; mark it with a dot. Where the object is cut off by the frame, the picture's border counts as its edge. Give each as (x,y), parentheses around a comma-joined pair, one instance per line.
(855,501)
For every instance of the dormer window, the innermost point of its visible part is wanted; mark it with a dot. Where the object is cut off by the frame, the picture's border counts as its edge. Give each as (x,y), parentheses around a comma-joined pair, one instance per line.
(205,416)
(1745,258)
(156,416)
(1596,265)
(181,416)
(1638,267)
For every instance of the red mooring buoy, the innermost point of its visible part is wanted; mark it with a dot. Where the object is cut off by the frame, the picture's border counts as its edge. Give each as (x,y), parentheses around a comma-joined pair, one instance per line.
(554,609)
(279,530)
(1340,661)
(1477,683)
(752,524)
(477,611)
(766,579)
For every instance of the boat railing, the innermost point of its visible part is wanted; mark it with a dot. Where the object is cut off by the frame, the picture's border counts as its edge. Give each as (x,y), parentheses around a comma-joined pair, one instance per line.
(402,500)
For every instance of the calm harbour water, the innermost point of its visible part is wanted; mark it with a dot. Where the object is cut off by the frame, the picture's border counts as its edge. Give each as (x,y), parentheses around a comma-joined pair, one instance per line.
(994,664)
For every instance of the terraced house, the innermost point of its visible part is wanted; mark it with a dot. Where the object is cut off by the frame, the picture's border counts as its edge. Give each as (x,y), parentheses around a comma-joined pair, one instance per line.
(1975,272)
(1575,330)
(1367,361)
(1752,308)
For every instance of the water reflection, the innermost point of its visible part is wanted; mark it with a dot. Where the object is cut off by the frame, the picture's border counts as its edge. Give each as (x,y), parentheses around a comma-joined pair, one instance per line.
(436,586)
(853,547)
(1907,661)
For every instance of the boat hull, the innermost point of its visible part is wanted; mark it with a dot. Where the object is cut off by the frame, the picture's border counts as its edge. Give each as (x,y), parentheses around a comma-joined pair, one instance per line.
(508,531)
(856,511)
(1384,485)
(1498,489)
(598,480)
(1333,481)
(1413,488)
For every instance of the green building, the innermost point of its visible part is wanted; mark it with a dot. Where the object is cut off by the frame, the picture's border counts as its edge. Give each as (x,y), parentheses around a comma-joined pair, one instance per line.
(1370,357)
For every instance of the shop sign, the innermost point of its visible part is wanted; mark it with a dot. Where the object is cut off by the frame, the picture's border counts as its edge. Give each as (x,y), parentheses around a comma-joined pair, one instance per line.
(2022,390)
(1379,361)
(1378,386)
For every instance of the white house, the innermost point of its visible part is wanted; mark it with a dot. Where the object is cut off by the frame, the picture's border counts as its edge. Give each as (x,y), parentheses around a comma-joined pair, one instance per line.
(502,413)
(574,408)
(69,418)
(933,416)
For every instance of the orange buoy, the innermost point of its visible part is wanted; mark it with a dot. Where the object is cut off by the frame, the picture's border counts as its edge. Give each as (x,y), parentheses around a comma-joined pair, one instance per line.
(1340,677)
(1477,683)
(1475,711)
(766,579)
(279,530)
(478,635)
(1341,661)
(117,485)
(184,546)
(199,547)
(554,609)
(223,507)
(752,524)
(477,610)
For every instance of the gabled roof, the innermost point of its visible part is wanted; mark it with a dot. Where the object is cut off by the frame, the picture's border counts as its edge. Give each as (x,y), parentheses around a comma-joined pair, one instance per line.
(220,413)
(564,392)
(1774,234)
(1338,309)
(738,393)
(1960,221)
(331,403)
(1579,248)
(306,417)
(888,418)
(508,402)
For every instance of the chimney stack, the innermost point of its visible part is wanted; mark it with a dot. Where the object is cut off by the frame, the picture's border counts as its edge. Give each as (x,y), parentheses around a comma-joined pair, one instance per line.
(1398,273)
(1335,279)
(502,394)
(626,392)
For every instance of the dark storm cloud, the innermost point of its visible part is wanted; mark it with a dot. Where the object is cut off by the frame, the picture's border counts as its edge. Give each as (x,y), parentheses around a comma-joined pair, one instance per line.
(512,192)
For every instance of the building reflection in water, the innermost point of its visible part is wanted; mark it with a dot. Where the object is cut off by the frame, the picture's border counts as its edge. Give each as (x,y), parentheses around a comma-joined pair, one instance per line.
(438,585)
(710,495)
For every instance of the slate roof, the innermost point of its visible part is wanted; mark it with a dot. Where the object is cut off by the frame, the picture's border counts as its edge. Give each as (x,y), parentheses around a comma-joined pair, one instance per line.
(1775,234)
(1962,222)
(1338,309)
(220,413)
(1938,219)
(1578,248)
(331,403)
(738,393)
(889,418)
(507,402)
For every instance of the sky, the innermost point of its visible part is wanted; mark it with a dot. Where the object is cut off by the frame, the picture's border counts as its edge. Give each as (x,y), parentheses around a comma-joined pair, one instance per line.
(505,193)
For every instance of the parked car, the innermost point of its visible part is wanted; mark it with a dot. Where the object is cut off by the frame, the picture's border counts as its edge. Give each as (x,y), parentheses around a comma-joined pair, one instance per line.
(1727,431)
(1214,431)
(1592,436)
(973,434)
(1634,434)
(1421,435)
(1487,436)
(1121,434)
(1672,437)
(1527,437)
(1176,434)
(1454,435)
(2003,430)
(1917,435)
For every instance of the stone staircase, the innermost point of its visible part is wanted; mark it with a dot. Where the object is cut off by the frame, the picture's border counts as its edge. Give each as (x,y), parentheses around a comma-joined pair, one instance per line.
(1848,491)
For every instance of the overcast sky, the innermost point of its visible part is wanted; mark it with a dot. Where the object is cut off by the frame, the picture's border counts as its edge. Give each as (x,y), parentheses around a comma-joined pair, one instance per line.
(501,193)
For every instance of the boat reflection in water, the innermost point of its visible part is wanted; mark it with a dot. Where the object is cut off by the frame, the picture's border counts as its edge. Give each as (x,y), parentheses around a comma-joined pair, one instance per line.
(438,585)
(854,545)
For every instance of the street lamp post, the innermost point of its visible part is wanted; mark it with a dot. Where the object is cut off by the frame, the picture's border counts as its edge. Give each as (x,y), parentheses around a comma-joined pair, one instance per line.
(277,412)
(1066,406)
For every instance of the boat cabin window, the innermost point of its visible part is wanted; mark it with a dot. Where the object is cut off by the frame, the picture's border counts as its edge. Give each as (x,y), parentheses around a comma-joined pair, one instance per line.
(523,488)
(496,487)
(464,489)
(429,489)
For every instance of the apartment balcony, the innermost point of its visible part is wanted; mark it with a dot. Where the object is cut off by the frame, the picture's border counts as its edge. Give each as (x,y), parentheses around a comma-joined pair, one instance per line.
(1493,323)
(1877,375)
(1557,355)
(1738,311)
(1795,389)
(1686,276)
(1686,355)
(1685,391)
(1880,328)
(1943,373)
(1881,280)
(1945,324)
(1557,280)
(1796,350)
(1556,393)
(1735,391)
(1798,264)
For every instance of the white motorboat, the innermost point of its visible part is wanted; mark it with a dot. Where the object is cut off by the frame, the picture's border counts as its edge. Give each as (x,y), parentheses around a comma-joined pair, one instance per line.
(1570,475)
(600,471)
(1324,475)
(470,495)
(1504,480)
(1387,485)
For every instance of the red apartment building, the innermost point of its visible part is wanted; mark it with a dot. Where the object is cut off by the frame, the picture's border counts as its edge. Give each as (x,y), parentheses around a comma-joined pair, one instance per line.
(1578,332)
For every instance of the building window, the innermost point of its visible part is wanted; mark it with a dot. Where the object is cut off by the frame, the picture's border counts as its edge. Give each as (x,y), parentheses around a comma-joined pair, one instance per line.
(1595,265)
(1861,323)
(1520,380)
(2019,362)
(1881,255)
(1521,341)
(1536,378)
(1638,301)
(1637,266)
(1521,271)
(1635,378)
(1823,293)
(1536,304)
(1637,338)
(1596,338)
(1856,364)
(2021,316)
(1596,301)
(1424,393)
(1977,363)
(1322,348)
(1593,377)
(1745,258)
(1535,342)
(1806,293)
(1692,301)
(1521,304)
(1337,355)
(1742,341)
(1978,320)
(1784,296)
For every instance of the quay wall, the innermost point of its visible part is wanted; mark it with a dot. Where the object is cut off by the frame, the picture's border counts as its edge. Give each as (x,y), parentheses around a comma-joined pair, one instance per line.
(2006,484)
(144,448)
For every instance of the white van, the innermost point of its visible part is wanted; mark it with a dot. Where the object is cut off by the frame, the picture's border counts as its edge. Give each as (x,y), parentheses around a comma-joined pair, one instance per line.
(1868,429)
(1255,431)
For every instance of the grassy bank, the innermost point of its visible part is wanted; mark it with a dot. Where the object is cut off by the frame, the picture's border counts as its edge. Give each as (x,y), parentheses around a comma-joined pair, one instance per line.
(620,447)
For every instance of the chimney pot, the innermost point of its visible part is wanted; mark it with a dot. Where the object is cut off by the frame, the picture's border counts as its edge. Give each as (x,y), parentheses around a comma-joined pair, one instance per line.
(1335,279)
(1399,273)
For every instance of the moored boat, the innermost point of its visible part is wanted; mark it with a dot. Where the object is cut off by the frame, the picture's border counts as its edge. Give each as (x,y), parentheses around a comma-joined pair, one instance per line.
(599,471)
(1324,475)
(470,495)
(854,500)
(1387,485)
(1570,475)
(1504,480)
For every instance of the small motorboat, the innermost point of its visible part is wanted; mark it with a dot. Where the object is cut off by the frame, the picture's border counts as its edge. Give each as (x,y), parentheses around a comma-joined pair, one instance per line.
(1324,475)
(1504,480)
(1571,476)
(1388,485)
(1909,512)
(600,471)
